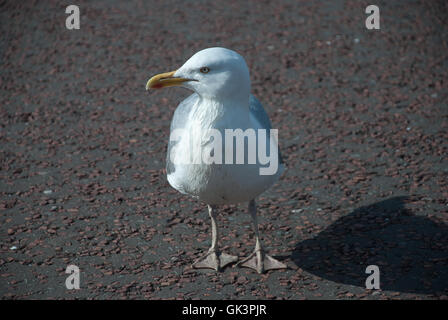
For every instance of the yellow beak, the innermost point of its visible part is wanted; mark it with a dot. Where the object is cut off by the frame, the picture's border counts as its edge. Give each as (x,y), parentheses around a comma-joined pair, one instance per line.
(164,80)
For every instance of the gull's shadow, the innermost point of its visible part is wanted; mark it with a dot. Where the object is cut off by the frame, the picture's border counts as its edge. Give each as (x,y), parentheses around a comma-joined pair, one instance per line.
(411,251)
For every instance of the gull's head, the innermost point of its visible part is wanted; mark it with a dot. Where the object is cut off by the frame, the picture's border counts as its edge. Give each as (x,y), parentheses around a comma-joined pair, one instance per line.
(214,73)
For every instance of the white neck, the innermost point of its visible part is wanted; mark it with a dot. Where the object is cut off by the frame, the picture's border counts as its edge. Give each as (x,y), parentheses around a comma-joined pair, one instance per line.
(214,113)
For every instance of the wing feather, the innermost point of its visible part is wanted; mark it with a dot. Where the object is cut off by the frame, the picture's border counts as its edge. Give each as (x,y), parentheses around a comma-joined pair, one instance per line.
(258,112)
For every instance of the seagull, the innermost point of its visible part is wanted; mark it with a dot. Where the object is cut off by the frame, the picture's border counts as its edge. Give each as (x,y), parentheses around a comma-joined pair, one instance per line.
(221,101)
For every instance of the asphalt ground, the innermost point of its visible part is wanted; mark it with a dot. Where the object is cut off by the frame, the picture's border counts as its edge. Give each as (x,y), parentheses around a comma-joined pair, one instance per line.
(362,118)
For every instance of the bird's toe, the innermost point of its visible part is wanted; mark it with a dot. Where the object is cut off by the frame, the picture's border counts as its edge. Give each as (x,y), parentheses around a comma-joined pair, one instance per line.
(214,260)
(261,262)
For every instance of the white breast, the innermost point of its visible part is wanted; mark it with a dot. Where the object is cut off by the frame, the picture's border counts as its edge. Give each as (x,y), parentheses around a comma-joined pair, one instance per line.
(216,183)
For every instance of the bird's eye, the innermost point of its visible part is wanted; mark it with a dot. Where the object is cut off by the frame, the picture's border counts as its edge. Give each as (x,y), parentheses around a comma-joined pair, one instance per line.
(204,70)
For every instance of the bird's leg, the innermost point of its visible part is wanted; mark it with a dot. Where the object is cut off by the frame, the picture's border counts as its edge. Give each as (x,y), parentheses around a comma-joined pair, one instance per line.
(214,259)
(258,259)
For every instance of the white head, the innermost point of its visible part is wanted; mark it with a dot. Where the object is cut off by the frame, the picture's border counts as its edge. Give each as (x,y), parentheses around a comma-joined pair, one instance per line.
(213,73)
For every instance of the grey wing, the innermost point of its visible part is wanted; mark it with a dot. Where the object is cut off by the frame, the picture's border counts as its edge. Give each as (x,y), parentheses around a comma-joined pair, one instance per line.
(258,112)
(180,117)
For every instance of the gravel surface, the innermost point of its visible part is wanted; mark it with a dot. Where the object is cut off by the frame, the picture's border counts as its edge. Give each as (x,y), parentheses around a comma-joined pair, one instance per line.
(363,125)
